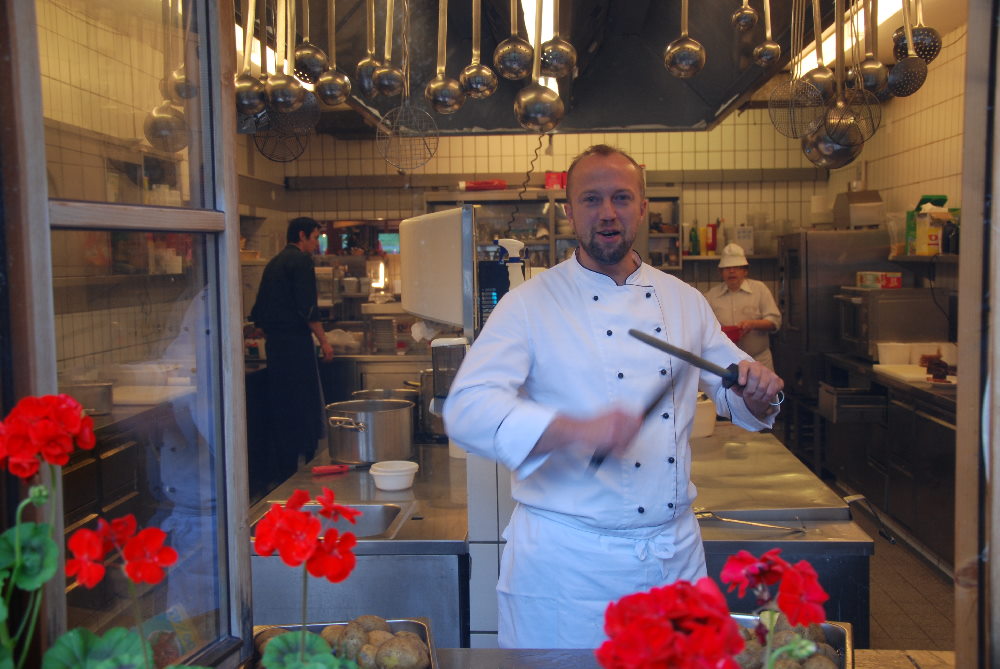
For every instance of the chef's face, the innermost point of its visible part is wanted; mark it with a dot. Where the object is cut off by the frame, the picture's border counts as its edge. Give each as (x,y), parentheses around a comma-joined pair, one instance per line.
(605,207)
(734,276)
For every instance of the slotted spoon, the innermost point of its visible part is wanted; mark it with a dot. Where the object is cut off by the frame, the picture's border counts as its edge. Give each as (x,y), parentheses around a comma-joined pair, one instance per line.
(909,74)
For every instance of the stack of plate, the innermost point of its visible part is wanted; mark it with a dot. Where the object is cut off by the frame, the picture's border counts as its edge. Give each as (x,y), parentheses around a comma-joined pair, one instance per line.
(384,334)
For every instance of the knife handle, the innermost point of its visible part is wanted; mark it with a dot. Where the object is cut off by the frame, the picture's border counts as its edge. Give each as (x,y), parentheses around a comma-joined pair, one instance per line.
(320,470)
(732,376)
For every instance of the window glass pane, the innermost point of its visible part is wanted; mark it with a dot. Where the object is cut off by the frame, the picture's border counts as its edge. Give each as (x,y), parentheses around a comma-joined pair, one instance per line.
(123,100)
(136,331)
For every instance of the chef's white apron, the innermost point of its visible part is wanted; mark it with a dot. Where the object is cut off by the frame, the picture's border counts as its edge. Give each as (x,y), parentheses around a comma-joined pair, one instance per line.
(556,581)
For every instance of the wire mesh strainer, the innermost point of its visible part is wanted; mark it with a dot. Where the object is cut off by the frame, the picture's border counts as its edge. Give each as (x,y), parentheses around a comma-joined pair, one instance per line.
(796,106)
(407,136)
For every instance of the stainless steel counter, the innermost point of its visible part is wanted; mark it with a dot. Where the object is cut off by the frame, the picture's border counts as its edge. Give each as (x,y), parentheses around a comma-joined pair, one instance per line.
(752,476)
(438,524)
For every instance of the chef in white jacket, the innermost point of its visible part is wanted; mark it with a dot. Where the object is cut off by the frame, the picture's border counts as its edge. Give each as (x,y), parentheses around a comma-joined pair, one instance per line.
(554,378)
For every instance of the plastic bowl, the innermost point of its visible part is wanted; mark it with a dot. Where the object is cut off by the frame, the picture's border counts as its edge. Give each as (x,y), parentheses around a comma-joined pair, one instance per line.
(733,332)
(393,474)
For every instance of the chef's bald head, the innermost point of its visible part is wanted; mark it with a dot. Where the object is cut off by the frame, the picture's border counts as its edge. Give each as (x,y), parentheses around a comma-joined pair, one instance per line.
(605,150)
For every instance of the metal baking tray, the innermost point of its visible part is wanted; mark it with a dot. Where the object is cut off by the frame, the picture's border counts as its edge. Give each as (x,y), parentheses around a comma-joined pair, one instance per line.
(419,626)
(838,635)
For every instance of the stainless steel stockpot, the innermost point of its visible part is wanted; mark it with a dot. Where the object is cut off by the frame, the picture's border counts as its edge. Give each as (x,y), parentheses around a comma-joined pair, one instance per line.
(366,431)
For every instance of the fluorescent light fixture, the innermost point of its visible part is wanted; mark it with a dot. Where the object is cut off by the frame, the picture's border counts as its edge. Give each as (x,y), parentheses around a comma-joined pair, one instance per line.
(255,53)
(886,10)
(548,31)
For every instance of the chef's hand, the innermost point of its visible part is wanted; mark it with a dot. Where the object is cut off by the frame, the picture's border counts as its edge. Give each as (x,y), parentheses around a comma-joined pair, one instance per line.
(327,350)
(608,433)
(758,386)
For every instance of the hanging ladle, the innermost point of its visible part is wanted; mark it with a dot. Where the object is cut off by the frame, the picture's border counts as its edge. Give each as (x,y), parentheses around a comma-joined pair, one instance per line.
(444,94)
(767,52)
(558,55)
(250,96)
(854,115)
(178,85)
(388,80)
(685,56)
(537,107)
(874,75)
(744,18)
(478,80)
(284,91)
(364,75)
(309,59)
(909,74)
(164,127)
(820,76)
(513,56)
(333,86)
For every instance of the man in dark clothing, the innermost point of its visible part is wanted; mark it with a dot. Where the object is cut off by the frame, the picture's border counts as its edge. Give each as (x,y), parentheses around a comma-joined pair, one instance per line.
(286,311)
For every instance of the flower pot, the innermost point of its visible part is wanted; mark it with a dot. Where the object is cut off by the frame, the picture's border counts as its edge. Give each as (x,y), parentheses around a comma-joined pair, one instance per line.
(837,634)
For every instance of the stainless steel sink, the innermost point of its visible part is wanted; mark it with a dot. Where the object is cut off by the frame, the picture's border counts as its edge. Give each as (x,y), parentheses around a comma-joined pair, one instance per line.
(377,521)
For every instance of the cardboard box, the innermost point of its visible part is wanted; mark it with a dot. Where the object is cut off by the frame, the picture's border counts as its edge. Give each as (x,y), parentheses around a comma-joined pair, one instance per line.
(883,280)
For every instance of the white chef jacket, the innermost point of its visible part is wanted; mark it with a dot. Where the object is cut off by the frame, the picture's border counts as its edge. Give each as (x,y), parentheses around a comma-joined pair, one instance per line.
(752,301)
(559,343)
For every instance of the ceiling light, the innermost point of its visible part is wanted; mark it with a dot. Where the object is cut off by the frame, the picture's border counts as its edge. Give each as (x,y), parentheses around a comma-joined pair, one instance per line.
(887,9)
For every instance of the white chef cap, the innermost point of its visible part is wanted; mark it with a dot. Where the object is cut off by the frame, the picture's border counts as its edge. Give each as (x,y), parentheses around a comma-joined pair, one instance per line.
(733,256)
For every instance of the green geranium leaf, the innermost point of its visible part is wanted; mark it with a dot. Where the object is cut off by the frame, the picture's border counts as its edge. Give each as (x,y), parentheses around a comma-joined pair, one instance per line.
(282,652)
(3,609)
(80,648)
(6,659)
(39,554)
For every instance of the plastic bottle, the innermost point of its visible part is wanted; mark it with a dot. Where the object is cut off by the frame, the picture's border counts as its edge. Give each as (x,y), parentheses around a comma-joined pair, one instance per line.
(695,246)
(713,237)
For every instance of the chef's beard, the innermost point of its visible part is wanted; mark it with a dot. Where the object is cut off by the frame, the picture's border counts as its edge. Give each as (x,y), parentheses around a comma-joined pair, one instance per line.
(604,254)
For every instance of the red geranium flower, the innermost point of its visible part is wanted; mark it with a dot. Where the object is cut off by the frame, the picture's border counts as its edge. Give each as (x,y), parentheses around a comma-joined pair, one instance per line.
(335,511)
(49,427)
(682,625)
(800,596)
(297,500)
(292,532)
(333,558)
(87,548)
(117,533)
(743,570)
(22,453)
(146,556)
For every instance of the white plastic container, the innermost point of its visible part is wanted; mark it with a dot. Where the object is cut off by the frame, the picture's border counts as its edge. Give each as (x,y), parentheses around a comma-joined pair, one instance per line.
(704,419)
(893,353)
(393,474)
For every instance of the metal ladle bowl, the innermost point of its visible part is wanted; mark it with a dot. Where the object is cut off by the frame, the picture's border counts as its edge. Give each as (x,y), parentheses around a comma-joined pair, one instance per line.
(444,94)
(478,81)
(684,57)
(512,58)
(744,19)
(767,53)
(558,58)
(165,128)
(874,75)
(824,152)
(285,92)
(823,80)
(332,87)
(251,98)
(538,108)
(388,80)
(309,62)
(364,76)
(178,86)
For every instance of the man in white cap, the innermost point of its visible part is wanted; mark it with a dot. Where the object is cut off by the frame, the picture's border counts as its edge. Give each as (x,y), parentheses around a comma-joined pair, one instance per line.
(746,304)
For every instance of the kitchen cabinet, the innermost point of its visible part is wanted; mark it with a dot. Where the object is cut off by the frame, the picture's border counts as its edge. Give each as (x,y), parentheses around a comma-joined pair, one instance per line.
(537,218)
(899,452)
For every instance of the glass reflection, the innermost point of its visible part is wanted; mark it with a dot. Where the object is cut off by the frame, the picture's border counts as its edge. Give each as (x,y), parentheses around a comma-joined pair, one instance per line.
(121,93)
(136,328)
